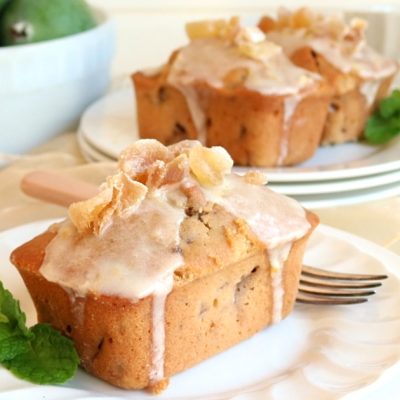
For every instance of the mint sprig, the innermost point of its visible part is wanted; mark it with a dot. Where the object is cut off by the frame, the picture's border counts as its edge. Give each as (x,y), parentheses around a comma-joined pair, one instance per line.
(384,124)
(39,354)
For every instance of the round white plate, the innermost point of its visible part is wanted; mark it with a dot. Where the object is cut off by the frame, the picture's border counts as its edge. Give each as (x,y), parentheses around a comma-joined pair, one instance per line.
(110,125)
(317,352)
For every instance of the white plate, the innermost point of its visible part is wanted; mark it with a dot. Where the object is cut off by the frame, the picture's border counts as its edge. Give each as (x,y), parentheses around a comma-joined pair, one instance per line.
(317,352)
(110,125)
(346,198)
(90,153)
(337,186)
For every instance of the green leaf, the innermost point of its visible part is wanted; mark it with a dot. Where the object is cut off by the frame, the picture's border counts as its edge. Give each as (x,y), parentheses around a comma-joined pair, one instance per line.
(3,318)
(10,309)
(384,124)
(12,346)
(51,358)
(380,130)
(390,106)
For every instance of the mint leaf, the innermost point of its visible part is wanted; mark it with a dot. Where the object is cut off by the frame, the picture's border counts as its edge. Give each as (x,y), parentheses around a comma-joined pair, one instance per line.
(51,357)
(12,346)
(10,309)
(39,354)
(384,124)
(380,130)
(3,318)
(389,106)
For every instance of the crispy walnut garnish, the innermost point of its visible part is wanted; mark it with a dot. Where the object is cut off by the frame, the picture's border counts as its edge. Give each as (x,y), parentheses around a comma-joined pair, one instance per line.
(255,178)
(213,29)
(249,41)
(144,167)
(119,195)
(209,165)
(317,25)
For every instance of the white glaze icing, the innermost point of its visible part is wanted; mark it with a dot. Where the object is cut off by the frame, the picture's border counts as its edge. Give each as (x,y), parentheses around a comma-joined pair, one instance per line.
(274,218)
(267,213)
(210,60)
(370,89)
(129,268)
(289,106)
(364,61)
(158,328)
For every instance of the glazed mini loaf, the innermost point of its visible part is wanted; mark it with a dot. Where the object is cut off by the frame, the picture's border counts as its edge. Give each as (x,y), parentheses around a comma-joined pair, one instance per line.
(231,87)
(360,77)
(175,260)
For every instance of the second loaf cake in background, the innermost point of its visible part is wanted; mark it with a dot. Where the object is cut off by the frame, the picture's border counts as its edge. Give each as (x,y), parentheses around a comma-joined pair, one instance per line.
(231,87)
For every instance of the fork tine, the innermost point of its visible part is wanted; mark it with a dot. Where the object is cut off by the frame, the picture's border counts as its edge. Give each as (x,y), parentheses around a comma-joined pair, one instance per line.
(316,282)
(323,274)
(307,298)
(335,291)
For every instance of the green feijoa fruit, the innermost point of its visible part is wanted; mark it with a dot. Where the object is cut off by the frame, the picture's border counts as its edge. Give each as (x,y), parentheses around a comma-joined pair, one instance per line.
(27,21)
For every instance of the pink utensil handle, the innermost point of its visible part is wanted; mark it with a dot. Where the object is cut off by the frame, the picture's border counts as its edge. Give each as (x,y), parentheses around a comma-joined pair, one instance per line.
(56,188)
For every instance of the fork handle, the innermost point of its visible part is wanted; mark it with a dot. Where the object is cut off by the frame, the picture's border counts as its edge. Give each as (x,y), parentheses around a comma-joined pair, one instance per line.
(56,188)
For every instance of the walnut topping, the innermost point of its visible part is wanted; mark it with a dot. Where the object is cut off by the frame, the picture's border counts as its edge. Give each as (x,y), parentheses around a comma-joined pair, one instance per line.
(317,25)
(250,41)
(213,29)
(144,167)
(119,195)
(255,178)
(209,165)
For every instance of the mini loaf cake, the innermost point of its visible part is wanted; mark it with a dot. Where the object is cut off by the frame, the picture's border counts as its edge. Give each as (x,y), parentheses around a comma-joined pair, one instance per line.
(175,260)
(231,87)
(339,53)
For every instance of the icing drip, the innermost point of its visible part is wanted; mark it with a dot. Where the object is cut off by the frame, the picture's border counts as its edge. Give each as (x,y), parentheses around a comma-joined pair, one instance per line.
(277,258)
(289,104)
(158,329)
(266,212)
(370,90)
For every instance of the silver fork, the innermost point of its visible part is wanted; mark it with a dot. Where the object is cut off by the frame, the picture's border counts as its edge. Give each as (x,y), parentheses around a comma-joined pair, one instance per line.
(322,287)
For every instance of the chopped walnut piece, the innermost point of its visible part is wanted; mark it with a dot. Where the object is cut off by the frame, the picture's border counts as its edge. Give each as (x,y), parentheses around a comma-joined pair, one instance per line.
(267,24)
(183,147)
(176,170)
(218,29)
(195,197)
(155,174)
(209,165)
(120,195)
(235,77)
(318,25)
(137,158)
(255,178)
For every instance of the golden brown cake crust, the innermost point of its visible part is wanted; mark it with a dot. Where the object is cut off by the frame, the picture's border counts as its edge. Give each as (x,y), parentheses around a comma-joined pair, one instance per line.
(348,111)
(221,296)
(248,124)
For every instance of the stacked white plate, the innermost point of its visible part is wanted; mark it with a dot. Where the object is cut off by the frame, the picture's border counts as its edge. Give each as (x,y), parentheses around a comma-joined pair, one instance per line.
(337,175)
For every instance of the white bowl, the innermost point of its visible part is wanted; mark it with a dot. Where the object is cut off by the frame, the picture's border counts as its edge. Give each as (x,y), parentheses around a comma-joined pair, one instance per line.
(44,87)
